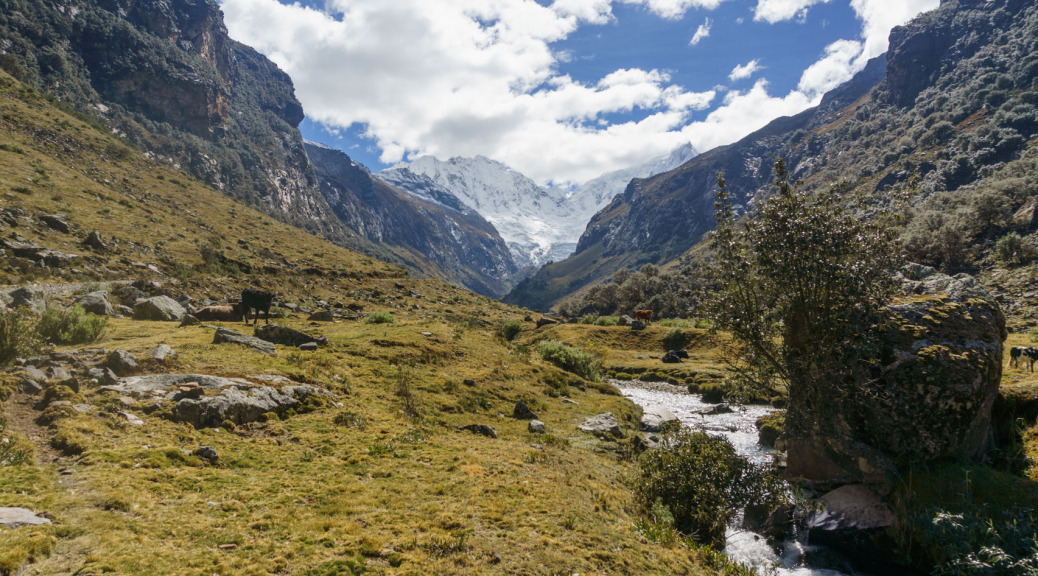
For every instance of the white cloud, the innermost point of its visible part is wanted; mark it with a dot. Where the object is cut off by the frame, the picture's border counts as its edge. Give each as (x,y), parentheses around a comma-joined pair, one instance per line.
(744,112)
(880,16)
(772,11)
(744,70)
(702,32)
(835,68)
(467,77)
(674,9)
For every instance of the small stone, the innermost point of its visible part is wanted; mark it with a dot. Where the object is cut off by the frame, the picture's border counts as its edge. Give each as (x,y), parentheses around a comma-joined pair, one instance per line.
(121,362)
(523,412)
(207,453)
(603,425)
(132,419)
(481,429)
(322,316)
(637,325)
(546,322)
(93,240)
(536,427)
(126,401)
(189,320)
(227,546)
(15,517)
(162,353)
(308,346)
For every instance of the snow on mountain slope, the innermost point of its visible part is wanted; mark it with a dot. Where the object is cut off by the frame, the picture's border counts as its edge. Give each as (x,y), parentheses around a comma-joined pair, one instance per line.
(539,224)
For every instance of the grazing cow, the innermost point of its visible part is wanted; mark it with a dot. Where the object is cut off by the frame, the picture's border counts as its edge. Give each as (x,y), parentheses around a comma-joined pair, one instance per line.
(643,315)
(1032,356)
(225,313)
(257,300)
(1014,356)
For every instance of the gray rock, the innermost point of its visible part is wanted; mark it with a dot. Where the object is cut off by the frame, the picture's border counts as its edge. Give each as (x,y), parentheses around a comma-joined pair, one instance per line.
(546,321)
(322,316)
(189,320)
(536,427)
(523,412)
(132,419)
(671,357)
(59,373)
(97,303)
(719,409)
(159,385)
(239,405)
(35,373)
(624,320)
(162,353)
(161,308)
(123,310)
(103,375)
(655,418)
(207,453)
(30,387)
(56,222)
(223,335)
(15,517)
(29,297)
(852,506)
(481,429)
(284,335)
(121,362)
(93,240)
(308,346)
(637,325)
(603,425)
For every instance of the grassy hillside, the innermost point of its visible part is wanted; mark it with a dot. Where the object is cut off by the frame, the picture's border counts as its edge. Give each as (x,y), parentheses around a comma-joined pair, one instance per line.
(376,479)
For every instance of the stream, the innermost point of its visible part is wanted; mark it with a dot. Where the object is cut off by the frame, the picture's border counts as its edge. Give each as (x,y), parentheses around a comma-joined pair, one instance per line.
(738,427)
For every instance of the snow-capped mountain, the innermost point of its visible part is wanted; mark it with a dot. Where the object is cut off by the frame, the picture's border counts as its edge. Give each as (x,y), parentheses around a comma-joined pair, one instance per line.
(539,224)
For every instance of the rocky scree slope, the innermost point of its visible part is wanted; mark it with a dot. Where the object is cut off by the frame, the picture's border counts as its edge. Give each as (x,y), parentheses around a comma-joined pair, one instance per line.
(952,103)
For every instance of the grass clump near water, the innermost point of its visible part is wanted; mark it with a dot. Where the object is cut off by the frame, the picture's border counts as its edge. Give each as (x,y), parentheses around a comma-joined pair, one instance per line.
(570,359)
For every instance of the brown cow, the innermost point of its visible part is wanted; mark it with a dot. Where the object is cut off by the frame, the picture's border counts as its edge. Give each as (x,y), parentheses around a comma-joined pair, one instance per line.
(225,313)
(643,315)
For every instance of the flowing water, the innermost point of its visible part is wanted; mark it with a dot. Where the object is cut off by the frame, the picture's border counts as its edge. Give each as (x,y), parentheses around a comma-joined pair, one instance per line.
(738,427)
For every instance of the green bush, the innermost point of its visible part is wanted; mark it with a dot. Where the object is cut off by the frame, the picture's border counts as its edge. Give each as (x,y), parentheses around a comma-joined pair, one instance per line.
(978,541)
(510,329)
(382,317)
(703,483)
(676,339)
(18,335)
(71,326)
(570,359)
(14,450)
(1034,335)
(1012,249)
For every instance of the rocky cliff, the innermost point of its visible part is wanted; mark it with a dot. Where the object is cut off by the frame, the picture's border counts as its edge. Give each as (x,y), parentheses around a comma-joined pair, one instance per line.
(166,76)
(456,241)
(952,104)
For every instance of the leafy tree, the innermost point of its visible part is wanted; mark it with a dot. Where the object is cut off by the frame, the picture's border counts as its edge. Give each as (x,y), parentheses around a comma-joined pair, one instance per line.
(799,286)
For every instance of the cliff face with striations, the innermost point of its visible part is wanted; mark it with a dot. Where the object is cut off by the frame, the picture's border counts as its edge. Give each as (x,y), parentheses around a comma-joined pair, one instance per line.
(165,74)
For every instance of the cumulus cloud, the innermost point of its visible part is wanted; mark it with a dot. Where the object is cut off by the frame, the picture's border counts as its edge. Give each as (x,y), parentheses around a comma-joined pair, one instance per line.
(467,77)
(702,32)
(772,11)
(744,70)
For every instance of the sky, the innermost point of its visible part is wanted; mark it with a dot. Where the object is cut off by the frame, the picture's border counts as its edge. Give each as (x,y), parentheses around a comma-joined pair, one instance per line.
(560,90)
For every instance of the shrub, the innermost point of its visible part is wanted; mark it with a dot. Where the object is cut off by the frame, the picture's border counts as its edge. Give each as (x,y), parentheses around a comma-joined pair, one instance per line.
(981,541)
(702,482)
(1034,335)
(676,339)
(382,317)
(71,326)
(1012,249)
(570,359)
(510,329)
(14,450)
(18,335)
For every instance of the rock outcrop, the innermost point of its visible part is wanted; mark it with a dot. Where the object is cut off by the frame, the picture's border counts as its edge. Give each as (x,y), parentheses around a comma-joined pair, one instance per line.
(160,308)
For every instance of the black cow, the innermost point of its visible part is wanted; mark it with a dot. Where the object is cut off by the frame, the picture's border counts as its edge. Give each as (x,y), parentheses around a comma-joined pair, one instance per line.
(1032,355)
(257,300)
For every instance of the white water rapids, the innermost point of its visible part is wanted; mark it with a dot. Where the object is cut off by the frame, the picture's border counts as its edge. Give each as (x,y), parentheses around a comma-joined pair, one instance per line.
(738,427)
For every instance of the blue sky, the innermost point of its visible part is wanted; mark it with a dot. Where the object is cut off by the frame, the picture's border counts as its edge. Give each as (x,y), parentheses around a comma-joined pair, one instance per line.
(561,90)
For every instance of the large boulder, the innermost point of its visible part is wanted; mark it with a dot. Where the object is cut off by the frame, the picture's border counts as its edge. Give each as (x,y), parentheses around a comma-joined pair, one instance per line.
(239,405)
(287,336)
(223,335)
(656,418)
(97,303)
(28,297)
(161,308)
(930,388)
(603,425)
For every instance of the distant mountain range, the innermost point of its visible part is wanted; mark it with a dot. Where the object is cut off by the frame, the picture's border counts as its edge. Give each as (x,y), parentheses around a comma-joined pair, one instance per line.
(539,224)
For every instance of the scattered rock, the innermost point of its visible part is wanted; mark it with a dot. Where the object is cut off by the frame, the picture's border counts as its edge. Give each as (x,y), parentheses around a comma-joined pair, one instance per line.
(121,362)
(672,357)
(308,346)
(239,405)
(132,419)
(162,353)
(105,376)
(207,453)
(160,308)
(35,374)
(189,320)
(852,506)
(224,335)
(603,425)
(322,316)
(15,517)
(523,412)
(481,429)
(97,303)
(624,320)
(284,335)
(59,373)
(94,241)
(30,387)
(29,297)
(536,427)
(637,325)
(545,321)
(719,409)
(56,222)
(655,418)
